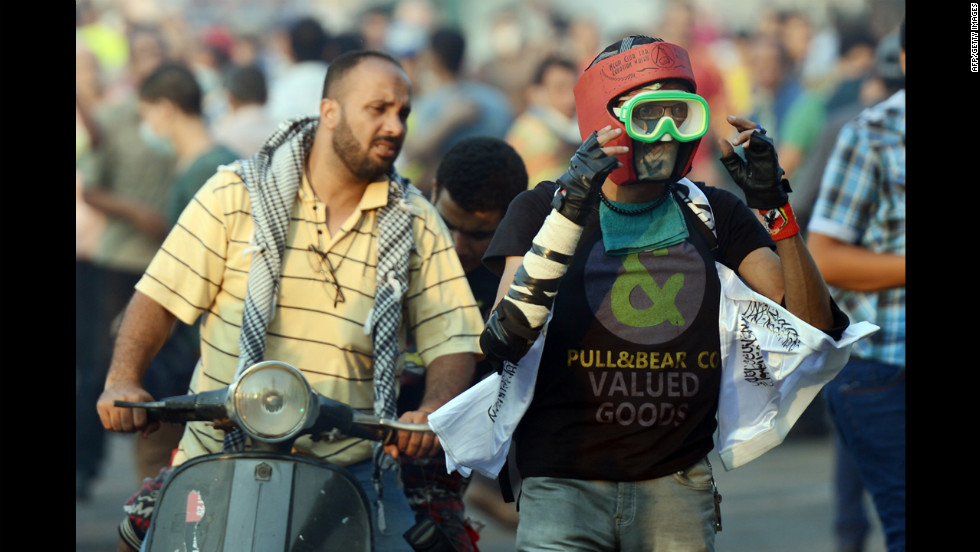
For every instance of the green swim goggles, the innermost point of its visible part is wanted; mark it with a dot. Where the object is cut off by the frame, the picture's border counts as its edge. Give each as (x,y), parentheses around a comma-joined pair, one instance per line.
(650,116)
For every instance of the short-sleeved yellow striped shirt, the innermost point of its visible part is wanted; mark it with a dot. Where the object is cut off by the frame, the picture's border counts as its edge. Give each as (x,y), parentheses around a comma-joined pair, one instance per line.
(202,270)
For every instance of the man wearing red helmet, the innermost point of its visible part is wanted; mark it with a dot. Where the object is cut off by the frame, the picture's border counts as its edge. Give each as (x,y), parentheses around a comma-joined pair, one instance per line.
(614,267)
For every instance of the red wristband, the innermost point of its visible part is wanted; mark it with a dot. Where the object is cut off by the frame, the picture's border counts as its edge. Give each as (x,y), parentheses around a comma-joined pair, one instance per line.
(781,222)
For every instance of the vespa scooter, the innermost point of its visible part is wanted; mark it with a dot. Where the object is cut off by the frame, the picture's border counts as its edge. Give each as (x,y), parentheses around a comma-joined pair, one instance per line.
(266,499)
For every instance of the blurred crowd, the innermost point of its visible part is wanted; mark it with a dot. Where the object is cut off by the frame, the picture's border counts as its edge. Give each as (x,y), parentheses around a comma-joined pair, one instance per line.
(799,71)
(792,70)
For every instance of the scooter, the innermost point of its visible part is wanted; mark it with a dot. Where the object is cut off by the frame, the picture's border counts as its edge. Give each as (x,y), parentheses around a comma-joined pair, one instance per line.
(265,499)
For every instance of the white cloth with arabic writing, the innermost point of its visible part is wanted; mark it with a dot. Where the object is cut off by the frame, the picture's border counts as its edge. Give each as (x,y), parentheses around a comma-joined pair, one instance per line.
(773,366)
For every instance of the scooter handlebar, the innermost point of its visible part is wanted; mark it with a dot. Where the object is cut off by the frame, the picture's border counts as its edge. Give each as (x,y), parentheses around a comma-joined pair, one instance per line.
(206,406)
(209,406)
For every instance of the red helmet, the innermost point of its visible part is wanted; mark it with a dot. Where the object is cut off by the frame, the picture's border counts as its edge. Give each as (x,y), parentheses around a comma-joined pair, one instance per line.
(634,62)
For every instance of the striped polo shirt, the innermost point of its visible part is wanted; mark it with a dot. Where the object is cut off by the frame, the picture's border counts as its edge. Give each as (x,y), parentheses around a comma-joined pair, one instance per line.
(326,291)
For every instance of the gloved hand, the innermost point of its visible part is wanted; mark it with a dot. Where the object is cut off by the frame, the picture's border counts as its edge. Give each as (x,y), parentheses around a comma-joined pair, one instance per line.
(578,187)
(759,175)
(507,336)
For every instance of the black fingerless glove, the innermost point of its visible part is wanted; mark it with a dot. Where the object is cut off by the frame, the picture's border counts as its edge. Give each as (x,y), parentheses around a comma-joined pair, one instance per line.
(759,175)
(578,187)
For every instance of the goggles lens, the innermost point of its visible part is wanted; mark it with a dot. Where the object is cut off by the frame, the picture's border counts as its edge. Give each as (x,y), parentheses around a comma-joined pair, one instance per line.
(649,116)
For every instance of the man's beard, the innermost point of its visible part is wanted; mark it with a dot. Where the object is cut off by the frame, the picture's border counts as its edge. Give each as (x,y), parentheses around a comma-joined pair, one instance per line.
(358,161)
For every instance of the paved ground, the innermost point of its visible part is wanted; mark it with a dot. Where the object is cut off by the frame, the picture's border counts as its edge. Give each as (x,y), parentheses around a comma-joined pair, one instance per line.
(778,503)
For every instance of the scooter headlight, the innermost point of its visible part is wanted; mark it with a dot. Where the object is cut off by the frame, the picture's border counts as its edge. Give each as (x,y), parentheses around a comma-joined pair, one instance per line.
(271,401)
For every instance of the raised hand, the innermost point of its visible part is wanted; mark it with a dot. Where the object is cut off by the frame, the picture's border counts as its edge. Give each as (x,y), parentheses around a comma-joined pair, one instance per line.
(578,187)
(759,175)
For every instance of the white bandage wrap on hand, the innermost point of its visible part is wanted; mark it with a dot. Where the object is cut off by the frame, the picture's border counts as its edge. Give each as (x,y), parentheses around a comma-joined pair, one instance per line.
(557,234)
(518,319)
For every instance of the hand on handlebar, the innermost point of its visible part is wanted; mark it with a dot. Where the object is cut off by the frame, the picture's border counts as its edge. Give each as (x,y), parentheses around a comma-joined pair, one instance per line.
(119,419)
(414,443)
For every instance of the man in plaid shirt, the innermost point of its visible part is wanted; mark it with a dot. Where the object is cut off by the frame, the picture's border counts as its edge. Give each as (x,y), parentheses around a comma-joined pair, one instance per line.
(857,238)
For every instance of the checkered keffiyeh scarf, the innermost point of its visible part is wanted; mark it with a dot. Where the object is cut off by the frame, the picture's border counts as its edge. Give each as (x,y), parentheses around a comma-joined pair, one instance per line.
(394,245)
(272,177)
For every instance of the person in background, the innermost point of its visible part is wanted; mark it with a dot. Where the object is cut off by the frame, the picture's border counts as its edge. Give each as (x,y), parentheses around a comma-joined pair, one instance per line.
(352,251)
(247,124)
(851,523)
(513,55)
(453,108)
(581,39)
(546,133)
(808,114)
(294,91)
(172,108)
(885,79)
(474,184)
(126,179)
(774,84)
(689,26)
(857,235)
(209,57)
(373,25)
(89,225)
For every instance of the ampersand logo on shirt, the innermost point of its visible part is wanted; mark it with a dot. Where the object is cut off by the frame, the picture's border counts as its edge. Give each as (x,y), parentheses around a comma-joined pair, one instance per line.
(649,297)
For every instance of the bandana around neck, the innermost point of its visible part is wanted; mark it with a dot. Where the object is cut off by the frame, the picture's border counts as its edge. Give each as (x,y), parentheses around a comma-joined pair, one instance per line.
(634,227)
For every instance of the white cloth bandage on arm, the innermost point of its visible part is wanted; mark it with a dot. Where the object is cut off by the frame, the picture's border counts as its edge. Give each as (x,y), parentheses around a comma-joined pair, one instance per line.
(558,235)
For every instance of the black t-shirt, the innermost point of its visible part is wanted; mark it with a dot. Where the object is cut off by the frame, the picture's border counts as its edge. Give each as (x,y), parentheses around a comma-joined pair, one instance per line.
(628,382)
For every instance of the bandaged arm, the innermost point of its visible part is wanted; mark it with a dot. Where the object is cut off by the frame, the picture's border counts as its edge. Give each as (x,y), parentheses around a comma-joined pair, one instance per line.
(518,318)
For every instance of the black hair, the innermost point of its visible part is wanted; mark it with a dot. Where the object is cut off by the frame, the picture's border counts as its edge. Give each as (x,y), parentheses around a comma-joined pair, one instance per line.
(247,84)
(448,44)
(175,82)
(343,63)
(854,33)
(482,173)
(308,40)
(548,63)
(621,46)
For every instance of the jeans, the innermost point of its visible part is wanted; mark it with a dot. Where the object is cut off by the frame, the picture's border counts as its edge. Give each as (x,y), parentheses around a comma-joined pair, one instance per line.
(398,514)
(866,401)
(850,520)
(673,513)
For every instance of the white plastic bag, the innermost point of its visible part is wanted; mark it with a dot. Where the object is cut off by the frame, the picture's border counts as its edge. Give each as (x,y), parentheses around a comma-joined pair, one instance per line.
(476,427)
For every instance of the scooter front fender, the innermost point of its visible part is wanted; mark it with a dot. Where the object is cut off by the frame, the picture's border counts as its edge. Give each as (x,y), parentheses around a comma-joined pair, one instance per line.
(260,501)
